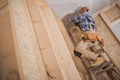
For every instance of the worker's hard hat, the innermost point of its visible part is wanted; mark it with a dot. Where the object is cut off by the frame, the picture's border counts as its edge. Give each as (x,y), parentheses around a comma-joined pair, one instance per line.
(84,9)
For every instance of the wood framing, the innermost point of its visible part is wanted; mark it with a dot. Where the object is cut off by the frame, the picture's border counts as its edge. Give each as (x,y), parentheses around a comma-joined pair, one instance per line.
(42,46)
(104,20)
(107,20)
(58,44)
(27,48)
(8,62)
(39,45)
(49,58)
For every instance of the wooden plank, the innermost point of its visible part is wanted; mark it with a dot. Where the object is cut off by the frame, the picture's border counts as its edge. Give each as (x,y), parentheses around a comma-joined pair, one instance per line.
(86,64)
(107,21)
(81,69)
(58,44)
(109,25)
(8,61)
(53,70)
(111,60)
(70,45)
(65,34)
(30,61)
(3,3)
(102,66)
(107,8)
(104,70)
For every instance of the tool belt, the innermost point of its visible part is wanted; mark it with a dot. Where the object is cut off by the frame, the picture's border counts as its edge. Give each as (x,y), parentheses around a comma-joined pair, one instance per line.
(91,37)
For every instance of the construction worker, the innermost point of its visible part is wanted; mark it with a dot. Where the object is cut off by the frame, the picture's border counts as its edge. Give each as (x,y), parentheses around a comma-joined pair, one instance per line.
(89,37)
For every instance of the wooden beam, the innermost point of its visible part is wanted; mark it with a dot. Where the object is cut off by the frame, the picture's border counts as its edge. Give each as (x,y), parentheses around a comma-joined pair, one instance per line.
(59,47)
(71,47)
(29,57)
(65,35)
(107,21)
(107,8)
(49,58)
(3,3)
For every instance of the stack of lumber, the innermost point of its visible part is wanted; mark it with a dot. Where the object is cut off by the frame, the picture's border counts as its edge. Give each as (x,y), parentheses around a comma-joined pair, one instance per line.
(42,46)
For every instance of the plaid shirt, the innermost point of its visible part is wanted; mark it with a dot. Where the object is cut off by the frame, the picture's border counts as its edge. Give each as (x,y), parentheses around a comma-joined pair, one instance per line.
(83,20)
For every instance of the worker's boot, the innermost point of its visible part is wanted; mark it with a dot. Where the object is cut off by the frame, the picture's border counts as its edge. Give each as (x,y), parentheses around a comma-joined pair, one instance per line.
(97,62)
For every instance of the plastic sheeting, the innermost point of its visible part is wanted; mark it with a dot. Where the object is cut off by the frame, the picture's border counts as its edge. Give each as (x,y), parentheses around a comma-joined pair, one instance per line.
(63,7)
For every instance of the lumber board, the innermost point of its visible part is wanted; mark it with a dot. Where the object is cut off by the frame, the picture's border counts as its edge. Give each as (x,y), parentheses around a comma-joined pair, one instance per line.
(102,66)
(65,35)
(107,21)
(110,40)
(71,46)
(3,3)
(117,3)
(58,44)
(115,13)
(76,60)
(104,70)
(8,61)
(51,64)
(29,57)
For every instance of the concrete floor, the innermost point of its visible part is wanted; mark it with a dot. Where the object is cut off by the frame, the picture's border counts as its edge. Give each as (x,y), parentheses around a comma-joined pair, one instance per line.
(63,7)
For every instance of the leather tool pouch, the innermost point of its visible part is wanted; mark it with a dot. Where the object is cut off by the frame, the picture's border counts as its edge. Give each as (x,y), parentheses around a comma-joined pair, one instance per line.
(90,37)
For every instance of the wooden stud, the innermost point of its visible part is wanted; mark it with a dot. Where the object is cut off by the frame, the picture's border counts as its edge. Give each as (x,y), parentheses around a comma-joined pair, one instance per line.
(58,44)
(49,58)
(30,61)
(107,21)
